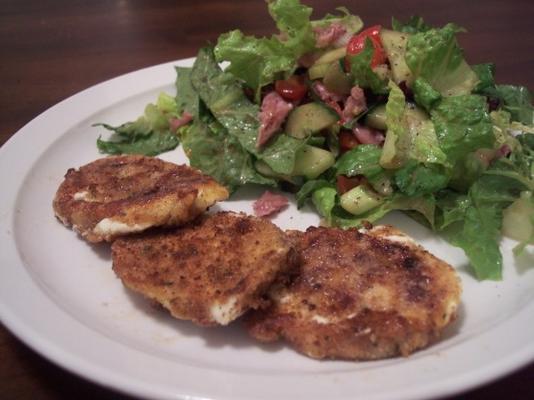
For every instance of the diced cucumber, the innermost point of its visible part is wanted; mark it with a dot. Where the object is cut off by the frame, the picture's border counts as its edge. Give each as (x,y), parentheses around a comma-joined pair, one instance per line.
(308,119)
(331,56)
(336,80)
(518,218)
(321,65)
(383,72)
(376,118)
(317,71)
(360,200)
(312,161)
(395,47)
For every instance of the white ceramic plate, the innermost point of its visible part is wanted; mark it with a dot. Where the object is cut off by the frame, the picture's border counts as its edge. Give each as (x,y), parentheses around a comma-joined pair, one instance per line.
(60,296)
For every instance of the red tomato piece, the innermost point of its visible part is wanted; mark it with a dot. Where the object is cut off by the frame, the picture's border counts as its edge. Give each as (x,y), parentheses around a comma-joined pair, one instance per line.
(347,141)
(292,88)
(357,44)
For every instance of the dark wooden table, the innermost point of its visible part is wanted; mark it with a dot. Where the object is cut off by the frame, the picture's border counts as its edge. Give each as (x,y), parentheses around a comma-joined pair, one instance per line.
(50,50)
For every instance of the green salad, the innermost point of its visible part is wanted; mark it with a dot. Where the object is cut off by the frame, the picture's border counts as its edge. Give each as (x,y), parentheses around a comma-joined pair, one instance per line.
(358,121)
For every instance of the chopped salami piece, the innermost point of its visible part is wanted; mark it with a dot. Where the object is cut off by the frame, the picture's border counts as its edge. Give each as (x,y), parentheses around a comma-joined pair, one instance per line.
(330,98)
(325,36)
(367,135)
(269,203)
(504,151)
(354,105)
(274,110)
(176,123)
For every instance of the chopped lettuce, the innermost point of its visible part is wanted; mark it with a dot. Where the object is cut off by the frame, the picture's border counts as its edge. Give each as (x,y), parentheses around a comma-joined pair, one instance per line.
(255,61)
(224,97)
(221,156)
(293,21)
(309,188)
(352,23)
(410,134)
(417,179)
(462,125)
(259,61)
(414,25)
(435,56)
(393,155)
(149,135)
(517,101)
(485,73)
(324,200)
(425,95)
(447,161)
(361,71)
(361,160)
(186,96)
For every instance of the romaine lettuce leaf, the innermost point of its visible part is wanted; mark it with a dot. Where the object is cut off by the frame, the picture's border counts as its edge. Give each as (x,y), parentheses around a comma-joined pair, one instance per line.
(435,56)
(256,61)
(410,134)
(352,23)
(477,235)
(361,160)
(473,222)
(451,207)
(394,151)
(221,156)
(259,61)
(186,96)
(224,97)
(425,95)
(462,125)
(417,179)
(517,101)
(293,21)
(364,160)
(134,138)
(309,188)
(324,200)
(361,71)
(149,135)
(414,25)
(486,77)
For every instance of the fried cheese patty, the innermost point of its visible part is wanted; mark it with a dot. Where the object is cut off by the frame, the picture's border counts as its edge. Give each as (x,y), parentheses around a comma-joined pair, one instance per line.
(119,195)
(359,296)
(209,272)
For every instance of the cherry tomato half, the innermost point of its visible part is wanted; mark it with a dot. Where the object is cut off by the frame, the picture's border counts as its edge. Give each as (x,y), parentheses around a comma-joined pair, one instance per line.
(357,44)
(292,88)
(347,141)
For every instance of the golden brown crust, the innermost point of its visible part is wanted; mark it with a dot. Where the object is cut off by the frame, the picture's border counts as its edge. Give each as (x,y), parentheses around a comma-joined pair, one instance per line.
(210,271)
(360,296)
(132,193)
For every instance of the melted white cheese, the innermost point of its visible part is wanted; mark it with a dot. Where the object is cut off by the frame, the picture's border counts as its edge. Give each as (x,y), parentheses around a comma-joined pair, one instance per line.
(321,320)
(109,227)
(400,239)
(80,195)
(226,312)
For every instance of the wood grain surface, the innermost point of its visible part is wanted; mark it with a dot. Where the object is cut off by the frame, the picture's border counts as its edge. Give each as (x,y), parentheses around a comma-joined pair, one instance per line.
(50,50)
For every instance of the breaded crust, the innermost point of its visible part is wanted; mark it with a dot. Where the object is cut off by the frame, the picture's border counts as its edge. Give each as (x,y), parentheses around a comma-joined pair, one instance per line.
(209,272)
(359,296)
(118,195)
